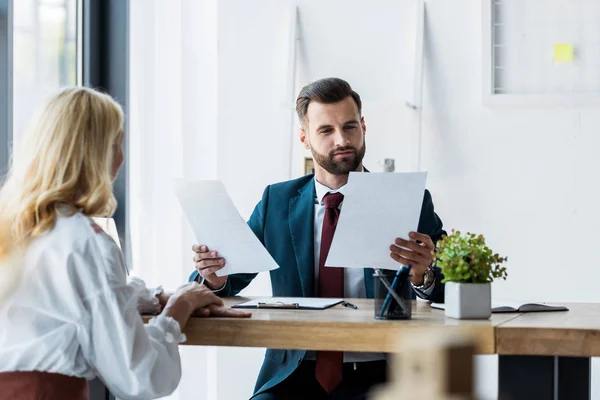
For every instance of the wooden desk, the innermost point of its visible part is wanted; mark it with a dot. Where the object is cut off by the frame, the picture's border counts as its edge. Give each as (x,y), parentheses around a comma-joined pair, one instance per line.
(532,347)
(338,328)
(575,333)
(547,355)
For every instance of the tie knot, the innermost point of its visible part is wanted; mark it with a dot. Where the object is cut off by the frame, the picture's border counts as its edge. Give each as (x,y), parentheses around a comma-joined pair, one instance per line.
(333,200)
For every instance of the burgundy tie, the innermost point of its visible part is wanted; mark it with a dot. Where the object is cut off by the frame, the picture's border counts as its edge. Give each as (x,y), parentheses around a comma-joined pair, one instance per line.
(331,284)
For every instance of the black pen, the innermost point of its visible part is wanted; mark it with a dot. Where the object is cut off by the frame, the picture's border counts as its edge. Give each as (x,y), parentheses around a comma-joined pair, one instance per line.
(346,304)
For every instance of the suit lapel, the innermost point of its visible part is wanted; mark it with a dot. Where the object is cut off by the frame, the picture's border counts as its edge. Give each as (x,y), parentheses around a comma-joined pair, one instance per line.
(301,220)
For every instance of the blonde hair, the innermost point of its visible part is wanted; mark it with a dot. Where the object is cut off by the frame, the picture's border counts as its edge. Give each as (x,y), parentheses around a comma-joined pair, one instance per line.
(65,160)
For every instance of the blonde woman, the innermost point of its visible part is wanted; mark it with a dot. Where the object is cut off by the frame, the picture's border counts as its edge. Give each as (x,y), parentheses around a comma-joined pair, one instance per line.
(67,314)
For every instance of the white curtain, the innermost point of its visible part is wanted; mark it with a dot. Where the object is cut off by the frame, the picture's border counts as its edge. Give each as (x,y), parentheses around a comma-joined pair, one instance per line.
(172,135)
(173,129)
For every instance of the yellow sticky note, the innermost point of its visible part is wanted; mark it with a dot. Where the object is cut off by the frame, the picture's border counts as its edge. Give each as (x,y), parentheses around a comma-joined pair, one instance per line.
(563,52)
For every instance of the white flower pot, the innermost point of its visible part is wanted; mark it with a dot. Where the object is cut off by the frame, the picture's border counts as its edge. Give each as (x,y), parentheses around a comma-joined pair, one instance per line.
(468,300)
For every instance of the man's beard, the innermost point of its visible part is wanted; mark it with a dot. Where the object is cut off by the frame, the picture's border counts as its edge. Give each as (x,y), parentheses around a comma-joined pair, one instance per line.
(342,166)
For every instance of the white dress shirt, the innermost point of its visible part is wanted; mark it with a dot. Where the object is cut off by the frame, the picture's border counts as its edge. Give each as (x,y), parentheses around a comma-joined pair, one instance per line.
(73,313)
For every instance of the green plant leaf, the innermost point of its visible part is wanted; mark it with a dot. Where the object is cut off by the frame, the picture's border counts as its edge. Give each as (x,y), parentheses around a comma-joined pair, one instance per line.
(467,259)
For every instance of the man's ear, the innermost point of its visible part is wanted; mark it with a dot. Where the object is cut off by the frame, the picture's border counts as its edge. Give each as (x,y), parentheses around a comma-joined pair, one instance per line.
(363,124)
(304,138)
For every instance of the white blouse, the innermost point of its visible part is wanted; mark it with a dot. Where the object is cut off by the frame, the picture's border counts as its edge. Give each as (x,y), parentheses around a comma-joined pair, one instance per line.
(73,313)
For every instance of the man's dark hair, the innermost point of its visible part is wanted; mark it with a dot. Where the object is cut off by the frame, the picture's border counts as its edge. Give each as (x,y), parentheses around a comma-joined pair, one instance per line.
(326,91)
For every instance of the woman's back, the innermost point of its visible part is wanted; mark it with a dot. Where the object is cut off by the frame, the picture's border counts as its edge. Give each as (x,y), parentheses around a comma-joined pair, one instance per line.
(74,314)
(46,321)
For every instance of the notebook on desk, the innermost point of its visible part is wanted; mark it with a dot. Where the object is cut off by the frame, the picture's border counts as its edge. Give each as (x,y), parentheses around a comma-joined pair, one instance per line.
(507,306)
(299,303)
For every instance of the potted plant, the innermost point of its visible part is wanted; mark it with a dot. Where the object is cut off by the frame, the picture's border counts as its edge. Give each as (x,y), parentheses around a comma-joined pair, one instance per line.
(469,266)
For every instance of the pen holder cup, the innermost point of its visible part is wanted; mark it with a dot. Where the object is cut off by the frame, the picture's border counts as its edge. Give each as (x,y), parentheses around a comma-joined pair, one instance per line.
(388,306)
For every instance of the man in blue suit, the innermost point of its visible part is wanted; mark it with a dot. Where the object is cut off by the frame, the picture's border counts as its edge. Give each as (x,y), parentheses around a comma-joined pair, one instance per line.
(295,221)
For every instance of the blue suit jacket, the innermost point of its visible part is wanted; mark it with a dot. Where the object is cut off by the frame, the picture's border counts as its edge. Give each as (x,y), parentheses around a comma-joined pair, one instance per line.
(284,222)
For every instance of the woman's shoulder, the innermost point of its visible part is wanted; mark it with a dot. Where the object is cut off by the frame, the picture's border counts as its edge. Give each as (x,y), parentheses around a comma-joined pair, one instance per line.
(77,250)
(77,233)
(91,250)
(77,226)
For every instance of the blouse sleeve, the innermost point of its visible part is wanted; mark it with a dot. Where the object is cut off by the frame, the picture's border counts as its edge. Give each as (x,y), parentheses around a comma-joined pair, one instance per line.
(147,302)
(135,361)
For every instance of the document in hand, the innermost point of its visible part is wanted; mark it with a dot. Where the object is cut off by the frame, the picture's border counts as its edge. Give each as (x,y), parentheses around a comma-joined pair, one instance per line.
(377,209)
(507,306)
(300,303)
(217,224)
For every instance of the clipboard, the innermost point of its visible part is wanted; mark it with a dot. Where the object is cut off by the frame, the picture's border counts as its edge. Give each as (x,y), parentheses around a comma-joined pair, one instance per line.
(290,303)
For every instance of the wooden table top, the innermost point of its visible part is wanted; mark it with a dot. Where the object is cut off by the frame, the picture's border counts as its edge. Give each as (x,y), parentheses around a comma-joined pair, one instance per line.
(574,333)
(338,328)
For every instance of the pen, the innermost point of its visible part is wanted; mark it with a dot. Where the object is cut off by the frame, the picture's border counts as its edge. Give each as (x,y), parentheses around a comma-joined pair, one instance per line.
(392,289)
(346,304)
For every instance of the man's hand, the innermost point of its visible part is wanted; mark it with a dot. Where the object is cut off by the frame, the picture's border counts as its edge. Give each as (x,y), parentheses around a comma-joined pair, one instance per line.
(418,252)
(208,262)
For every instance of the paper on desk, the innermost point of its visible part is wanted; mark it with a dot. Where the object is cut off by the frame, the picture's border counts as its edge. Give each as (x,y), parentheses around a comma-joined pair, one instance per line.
(377,209)
(315,303)
(217,224)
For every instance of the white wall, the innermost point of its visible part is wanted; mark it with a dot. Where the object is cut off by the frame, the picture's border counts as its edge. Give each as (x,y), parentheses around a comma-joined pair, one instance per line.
(524,177)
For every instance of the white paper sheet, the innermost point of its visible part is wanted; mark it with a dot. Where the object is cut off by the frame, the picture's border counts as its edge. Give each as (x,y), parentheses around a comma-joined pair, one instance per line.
(217,224)
(377,209)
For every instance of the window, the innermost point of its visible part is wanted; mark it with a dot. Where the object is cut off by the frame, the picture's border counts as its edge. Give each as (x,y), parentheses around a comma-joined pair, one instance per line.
(45,54)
